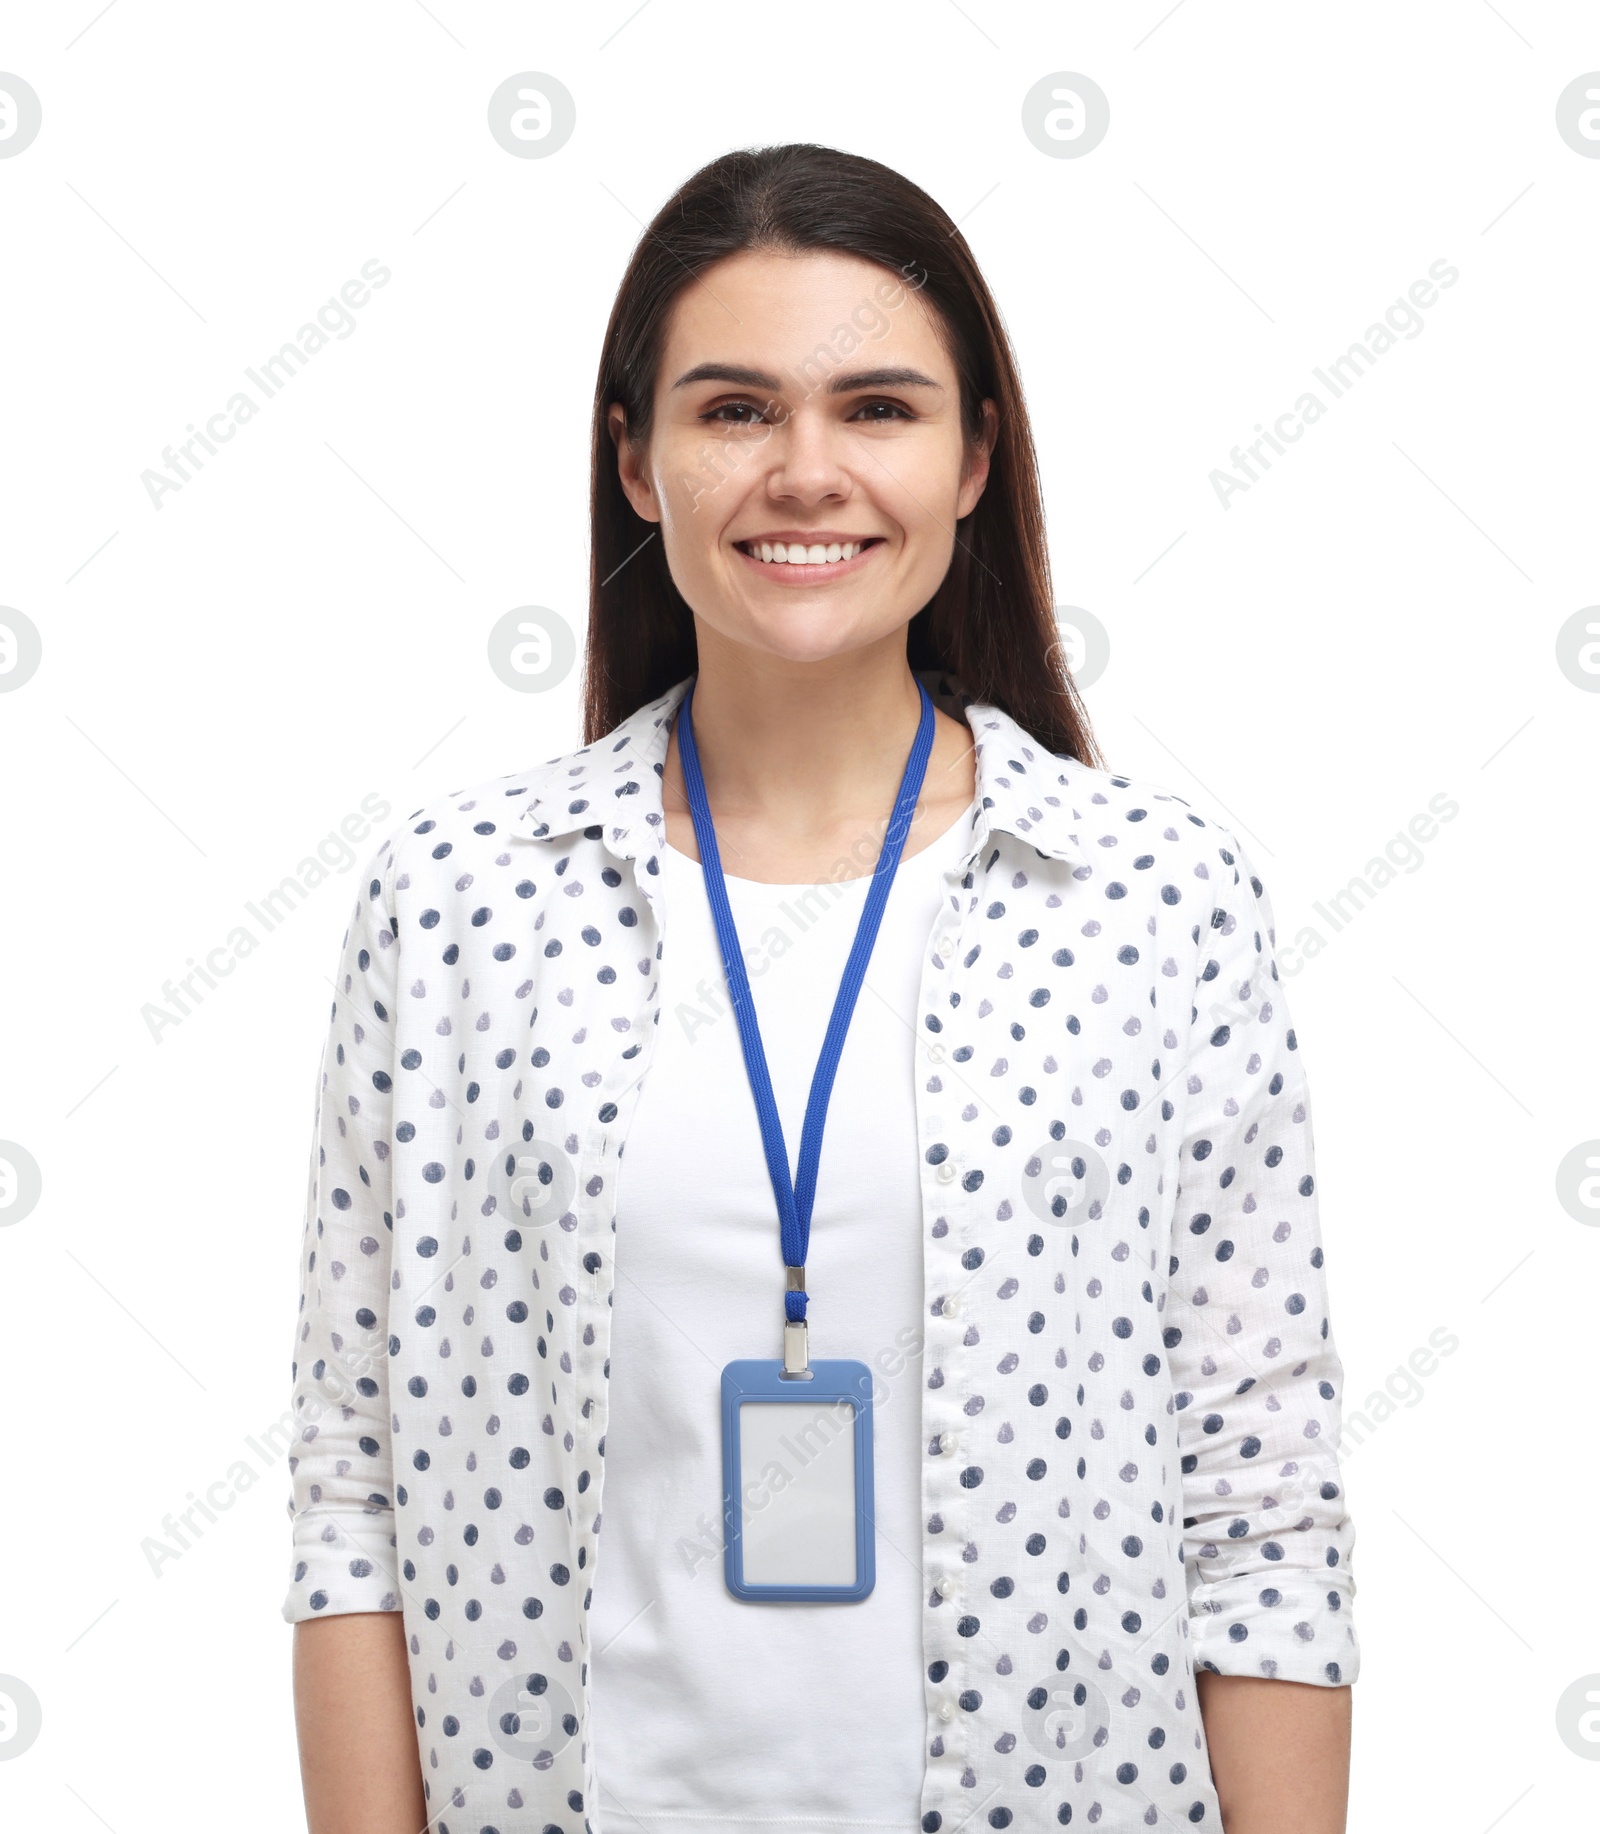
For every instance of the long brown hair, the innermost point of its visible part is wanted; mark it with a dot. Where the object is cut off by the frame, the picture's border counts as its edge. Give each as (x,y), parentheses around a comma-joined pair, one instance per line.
(991,624)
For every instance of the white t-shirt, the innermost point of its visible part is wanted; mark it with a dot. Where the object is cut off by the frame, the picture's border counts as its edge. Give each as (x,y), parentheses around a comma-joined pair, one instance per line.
(706,1709)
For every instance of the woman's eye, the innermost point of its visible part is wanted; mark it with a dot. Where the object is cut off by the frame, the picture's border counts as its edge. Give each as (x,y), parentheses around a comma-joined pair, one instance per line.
(883,410)
(734,408)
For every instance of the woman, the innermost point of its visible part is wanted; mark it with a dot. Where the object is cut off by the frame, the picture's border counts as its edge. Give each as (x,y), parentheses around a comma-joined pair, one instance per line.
(1093,1565)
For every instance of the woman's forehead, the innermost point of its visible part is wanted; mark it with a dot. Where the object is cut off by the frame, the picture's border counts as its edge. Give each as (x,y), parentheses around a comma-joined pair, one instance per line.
(763,303)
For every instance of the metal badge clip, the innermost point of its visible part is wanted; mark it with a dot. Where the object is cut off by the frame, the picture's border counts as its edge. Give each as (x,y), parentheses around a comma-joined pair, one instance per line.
(794,1329)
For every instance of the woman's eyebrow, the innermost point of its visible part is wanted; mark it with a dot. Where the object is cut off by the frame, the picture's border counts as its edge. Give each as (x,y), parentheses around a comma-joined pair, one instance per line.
(843,384)
(853,379)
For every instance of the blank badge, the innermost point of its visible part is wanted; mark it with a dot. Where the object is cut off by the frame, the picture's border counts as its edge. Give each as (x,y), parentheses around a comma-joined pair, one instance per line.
(797,1481)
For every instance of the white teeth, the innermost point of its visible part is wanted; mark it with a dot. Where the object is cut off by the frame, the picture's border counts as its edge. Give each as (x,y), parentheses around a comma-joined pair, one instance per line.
(798,554)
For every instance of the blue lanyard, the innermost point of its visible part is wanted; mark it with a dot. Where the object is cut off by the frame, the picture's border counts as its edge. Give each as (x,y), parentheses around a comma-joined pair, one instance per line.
(794,1201)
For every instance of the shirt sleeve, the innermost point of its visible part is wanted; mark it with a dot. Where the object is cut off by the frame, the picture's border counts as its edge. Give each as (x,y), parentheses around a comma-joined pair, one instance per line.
(1266,1536)
(341,1500)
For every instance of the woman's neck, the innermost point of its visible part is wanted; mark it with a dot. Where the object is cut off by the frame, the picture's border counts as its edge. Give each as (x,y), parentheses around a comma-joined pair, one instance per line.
(802,761)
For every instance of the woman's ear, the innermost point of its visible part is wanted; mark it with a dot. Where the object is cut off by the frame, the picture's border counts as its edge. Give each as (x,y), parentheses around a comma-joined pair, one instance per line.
(975,471)
(636,484)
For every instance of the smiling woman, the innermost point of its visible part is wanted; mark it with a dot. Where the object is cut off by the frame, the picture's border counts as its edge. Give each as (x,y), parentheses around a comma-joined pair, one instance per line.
(834,521)
(1052,1529)
(796,308)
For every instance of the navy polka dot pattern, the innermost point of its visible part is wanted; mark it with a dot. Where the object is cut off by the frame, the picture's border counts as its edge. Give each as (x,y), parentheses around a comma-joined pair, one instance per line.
(1131,1388)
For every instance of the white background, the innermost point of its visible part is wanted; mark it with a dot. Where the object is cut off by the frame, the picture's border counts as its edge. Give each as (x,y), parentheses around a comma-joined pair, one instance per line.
(303,624)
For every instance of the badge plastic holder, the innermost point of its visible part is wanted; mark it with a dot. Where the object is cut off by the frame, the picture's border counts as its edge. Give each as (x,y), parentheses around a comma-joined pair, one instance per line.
(797,1507)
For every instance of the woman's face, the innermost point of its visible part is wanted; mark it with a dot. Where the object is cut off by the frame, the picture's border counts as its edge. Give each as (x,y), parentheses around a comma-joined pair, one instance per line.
(805,407)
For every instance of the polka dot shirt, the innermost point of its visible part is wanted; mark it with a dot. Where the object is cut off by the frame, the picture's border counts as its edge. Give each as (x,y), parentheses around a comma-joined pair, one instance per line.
(1131,1386)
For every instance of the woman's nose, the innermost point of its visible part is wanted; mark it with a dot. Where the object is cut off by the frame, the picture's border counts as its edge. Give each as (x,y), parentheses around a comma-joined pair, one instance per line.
(807,457)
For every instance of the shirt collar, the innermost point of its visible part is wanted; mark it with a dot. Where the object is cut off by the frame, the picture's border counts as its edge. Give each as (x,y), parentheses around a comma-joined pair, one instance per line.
(615,783)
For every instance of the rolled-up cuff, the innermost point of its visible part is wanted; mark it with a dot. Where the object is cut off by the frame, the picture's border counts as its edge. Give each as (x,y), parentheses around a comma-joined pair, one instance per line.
(1284,1627)
(344,1561)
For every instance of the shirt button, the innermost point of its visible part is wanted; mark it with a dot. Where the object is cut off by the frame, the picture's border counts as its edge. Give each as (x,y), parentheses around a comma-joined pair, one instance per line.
(947,1442)
(946,1587)
(952,1306)
(946,1711)
(945,1172)
(935,1053)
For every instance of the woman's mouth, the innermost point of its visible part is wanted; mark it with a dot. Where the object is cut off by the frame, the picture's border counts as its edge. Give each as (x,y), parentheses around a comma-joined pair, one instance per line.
(801,563)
